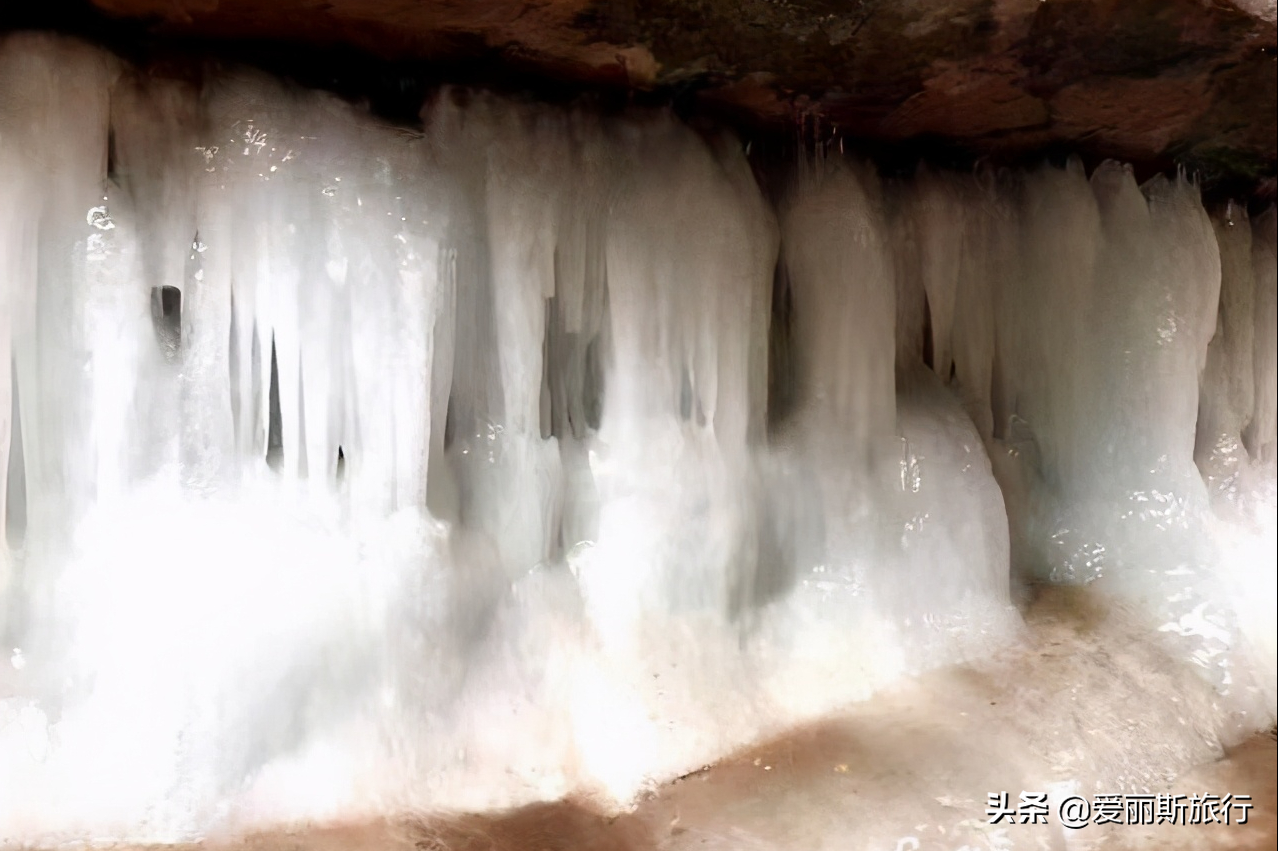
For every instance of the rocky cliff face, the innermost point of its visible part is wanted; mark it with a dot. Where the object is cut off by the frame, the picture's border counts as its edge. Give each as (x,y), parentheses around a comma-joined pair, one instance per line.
(1160,82)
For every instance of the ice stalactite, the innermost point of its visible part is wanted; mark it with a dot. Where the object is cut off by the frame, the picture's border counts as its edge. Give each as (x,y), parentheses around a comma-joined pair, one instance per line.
(1235,436)
(534,451)
(1228,393)
(1097,319)
(1261,434)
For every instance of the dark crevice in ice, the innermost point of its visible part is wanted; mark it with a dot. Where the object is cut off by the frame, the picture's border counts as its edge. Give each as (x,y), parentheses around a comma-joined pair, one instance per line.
(275,427)
(166,316)
(782,391)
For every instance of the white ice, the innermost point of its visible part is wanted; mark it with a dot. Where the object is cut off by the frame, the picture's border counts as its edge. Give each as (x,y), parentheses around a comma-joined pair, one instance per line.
(359,469)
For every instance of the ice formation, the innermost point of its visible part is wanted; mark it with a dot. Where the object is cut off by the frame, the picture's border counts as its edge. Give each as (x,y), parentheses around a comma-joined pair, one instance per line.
(353,468)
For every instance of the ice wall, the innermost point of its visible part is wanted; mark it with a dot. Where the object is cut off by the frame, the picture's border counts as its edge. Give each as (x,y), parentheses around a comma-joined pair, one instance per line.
(1115,336)
(356,468)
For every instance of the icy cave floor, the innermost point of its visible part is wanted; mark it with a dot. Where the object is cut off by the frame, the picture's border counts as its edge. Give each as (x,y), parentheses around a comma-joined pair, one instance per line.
(1083,698)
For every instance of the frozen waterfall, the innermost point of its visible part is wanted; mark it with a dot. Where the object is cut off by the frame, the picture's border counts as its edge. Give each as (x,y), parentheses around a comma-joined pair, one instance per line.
(355,468)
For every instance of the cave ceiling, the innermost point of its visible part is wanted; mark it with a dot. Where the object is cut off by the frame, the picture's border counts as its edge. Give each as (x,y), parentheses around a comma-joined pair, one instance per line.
(1163,82)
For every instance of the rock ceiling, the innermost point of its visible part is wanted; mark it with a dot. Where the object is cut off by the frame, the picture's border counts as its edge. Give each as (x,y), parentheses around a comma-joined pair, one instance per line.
(1161,82)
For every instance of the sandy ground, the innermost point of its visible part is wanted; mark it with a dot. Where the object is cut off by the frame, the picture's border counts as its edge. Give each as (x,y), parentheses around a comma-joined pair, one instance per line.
(911,770)
(730,807)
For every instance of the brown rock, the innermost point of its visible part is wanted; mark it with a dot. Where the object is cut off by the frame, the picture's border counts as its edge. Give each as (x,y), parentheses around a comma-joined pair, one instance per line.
(1157,81)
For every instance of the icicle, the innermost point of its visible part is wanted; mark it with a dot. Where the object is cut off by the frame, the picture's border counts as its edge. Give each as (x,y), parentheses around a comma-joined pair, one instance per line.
(1228,386)
(429,431)
(939,219)
(988,250)
(1262,431)
(836,253)
(58,91)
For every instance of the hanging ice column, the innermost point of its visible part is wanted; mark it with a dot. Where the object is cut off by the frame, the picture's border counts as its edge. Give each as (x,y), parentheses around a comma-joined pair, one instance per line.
(389,432)
(334,285)
(689,250)
(1104,299)
(905,534)
(154,247)
(1130,313)
(608,408)
(59,248)
(1236,421)
(593,327)
(478,465)
(1236,435)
